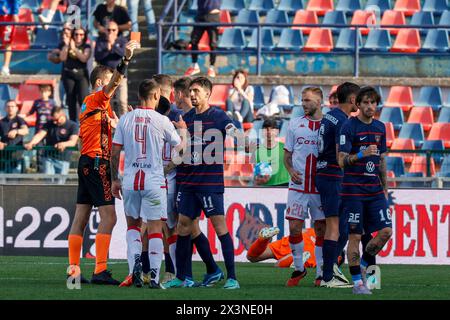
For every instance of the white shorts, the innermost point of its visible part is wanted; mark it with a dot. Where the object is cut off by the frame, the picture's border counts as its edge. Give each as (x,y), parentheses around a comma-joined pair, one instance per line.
(150,205)
(298,204)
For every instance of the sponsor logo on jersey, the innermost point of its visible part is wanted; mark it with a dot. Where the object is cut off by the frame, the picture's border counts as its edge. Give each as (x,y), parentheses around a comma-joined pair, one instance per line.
(308,140)
(370,166)
(342,140)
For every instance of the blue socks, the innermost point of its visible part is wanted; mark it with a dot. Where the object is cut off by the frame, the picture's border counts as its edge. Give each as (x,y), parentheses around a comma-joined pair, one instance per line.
(182,253)
(228,254)
(168,263)
(204,250)
(329,257)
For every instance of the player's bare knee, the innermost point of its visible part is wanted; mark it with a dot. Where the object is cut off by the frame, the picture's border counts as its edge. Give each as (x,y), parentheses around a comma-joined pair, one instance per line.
(385,234)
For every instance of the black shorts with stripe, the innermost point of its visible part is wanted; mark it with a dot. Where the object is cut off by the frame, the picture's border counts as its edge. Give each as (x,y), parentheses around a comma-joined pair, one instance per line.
(94,182)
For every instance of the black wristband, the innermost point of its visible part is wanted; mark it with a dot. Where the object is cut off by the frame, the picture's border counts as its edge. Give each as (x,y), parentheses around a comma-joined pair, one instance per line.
(127,60)
(122,68)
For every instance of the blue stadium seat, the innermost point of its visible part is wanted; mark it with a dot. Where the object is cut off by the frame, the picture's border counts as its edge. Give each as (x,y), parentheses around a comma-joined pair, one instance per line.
(378,40)
(435,145)
(297,111)
(436,41)
(258,99)
(412,184)
(335,17)
(413,131)
(395,164)
(383,5)
(348,6)
(422,18)
(31,4)
(247,16)
(193,8)
(46,39)
(430,96)
(290,6)
(445,18)
(346,40)
(233,6)
(393,115)
(284,128)
(290,39)
(445,168)
(325,110)
(435,6)
(232,39)
(380,92)
(444,115)
(266,39)
(277,16)
(261,5)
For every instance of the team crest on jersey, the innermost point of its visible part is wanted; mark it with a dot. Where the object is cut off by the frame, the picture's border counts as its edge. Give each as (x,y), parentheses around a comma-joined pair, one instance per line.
(377,138)
(83,107)
(63,131)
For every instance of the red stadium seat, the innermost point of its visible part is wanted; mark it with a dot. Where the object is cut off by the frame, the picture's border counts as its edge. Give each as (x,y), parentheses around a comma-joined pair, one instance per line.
(400,96)
(203,44)
(440,131)
(305,17)
(403,144)
(361,17)
(51,82)
(219,95)
(225,17)
(26,15)
(247,125)
(390,134)
(423,115)
(46,5)
(419,164)
(408,7)
(391,184)
(391,17)
(28,92)
(319,40)
(320,6)
(25,108)
(408,40)
(21,41)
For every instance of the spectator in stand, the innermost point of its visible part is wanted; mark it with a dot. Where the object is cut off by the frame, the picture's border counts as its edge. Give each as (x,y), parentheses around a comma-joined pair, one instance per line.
(109,50)
(208,11)
(12,130)
(43,107)
(111,12)
(278,97)
(75,55)
(9,12)
(240,98)
(60,133)
(133,6)
(333,99)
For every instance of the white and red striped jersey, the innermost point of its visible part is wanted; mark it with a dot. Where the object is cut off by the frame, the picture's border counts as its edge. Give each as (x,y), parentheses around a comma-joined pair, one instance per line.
(143,133)
(301,140)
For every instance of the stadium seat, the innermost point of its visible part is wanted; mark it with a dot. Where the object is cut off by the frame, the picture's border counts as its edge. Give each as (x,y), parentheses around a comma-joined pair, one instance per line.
(440,131)
(382,5)
(444,115)
(400,96)
(412,184)
(434,145)
(403,144)
(5,92)
(290,6)
(277,16)
(233,6)
(232,39)
(445,167)
(335,17)
(247,16)
(21,40)
(193,7)
(290,39)
(297,111)
(408,40)
(225,17)
(445,18)
(430,96)
(378,40)
(419,164)
(436,41)
(361,17)
(408,7)
(262,6)
(26,15)
(413,131)
(390,134)
(27,92)
(320,6)
(392,17)
(61,7)
(319,40)
(346,40)
(422,19)
(393,115)
(435,6)
(258,98)
(30,4)
(267,42)
(305,17)
(395,164)
(348,6)
(284,128)
(219,95)
(46,39)
(423,115)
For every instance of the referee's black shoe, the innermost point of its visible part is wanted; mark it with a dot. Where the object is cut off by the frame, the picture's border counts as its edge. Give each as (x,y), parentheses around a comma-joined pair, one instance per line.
(104,277)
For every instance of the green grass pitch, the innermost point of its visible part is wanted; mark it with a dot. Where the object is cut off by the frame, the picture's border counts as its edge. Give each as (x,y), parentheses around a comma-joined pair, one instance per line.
(44,278)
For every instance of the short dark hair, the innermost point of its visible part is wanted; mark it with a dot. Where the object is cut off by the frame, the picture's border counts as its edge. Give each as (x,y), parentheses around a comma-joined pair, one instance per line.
(316,90)
(245,73)
(57,109)
(98,73)
(270,123)
(345,90)
(163,79)
(202,82)
(146,87)
(182,85)
(369,92)
(45,86)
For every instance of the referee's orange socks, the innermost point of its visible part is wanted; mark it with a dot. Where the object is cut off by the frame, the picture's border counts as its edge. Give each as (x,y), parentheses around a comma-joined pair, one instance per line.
(258,247)
(102,242)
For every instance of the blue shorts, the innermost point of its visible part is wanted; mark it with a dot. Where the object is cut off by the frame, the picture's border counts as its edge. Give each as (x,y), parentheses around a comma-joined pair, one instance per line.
(329,190)
(367,216)
(191,204)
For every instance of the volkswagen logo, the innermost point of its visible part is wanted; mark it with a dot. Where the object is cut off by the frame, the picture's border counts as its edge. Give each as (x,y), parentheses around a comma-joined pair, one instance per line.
(370,166)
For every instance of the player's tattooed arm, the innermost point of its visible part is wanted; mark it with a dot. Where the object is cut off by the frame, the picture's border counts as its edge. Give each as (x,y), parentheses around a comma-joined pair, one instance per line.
(346,159)
(115,157)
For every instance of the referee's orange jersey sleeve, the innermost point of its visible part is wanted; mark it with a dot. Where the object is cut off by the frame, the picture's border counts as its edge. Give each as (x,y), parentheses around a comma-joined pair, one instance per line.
(95,128)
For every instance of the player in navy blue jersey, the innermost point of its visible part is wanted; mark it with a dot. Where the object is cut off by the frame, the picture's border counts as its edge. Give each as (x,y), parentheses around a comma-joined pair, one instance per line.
(328,181)
(362,148)
(200,182)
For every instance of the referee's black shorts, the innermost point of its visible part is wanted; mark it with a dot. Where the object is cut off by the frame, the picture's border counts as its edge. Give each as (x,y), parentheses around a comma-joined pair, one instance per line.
(94,182)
